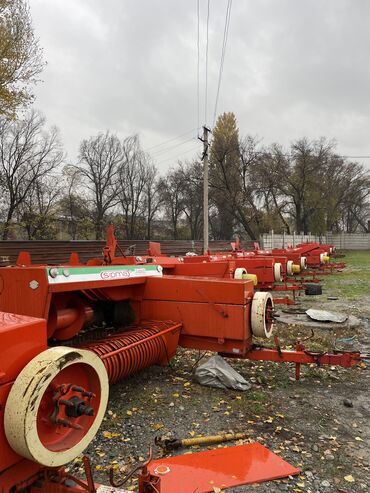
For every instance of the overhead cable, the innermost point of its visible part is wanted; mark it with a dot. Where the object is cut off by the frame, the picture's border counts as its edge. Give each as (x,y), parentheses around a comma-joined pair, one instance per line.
(223,52)
(174,146)
(178,137)
(206,85)
(198,70)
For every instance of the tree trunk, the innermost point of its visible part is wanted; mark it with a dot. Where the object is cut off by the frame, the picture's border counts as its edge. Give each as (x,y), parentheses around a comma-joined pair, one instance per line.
(99,229)
(7,223)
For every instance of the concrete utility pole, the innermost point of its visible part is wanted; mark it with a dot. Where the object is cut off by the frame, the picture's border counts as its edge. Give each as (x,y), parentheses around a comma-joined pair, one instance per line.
(206,131)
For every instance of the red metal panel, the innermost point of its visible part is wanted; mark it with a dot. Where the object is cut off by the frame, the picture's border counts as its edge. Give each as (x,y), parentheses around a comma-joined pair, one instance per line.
(206,269)
(7,456)
(21,338)
(24,291)
(207,326)
(201,319)
(192,289)
(23,473)
(220,468)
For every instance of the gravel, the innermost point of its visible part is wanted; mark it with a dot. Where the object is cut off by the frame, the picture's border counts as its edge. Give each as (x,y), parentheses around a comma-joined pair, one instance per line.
(307,422)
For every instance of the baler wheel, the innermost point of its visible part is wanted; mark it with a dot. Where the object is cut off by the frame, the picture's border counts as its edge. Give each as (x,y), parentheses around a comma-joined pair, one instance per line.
(303,263)
(278,272)
(56,405)
(240,272)
(262,314)
(289,267)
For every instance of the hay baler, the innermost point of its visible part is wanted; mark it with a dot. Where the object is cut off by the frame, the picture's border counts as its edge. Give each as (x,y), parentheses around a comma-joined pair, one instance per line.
(75,328)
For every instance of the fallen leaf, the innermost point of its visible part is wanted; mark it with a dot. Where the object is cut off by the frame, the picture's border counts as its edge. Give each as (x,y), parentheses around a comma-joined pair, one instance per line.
(349,478)
(157,426)
(109,435)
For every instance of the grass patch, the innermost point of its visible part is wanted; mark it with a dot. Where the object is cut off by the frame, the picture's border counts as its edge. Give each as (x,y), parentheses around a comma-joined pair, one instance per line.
(258,396)
(354,281)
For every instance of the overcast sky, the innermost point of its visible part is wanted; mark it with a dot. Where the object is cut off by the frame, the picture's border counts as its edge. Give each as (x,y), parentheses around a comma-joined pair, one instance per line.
(292,69)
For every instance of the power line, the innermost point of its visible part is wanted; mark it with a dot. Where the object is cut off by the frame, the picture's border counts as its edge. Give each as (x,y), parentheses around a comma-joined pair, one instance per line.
(171,140)
(223,52)
(167,149)
(198,69)
(285,154)
(178,156)
(356,157)
(206,88)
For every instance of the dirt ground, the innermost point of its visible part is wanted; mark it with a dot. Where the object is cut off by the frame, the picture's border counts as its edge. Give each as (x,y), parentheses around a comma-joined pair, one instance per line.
(305,422)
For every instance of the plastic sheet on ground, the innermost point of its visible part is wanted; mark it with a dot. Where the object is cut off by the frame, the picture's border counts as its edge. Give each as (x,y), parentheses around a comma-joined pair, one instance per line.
(326,316)
(215,372)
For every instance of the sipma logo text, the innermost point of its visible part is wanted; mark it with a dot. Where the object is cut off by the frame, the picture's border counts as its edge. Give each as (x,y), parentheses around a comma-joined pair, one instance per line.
(115,274)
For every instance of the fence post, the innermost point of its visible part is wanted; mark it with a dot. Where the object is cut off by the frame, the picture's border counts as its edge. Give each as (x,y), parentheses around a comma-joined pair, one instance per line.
(272,239)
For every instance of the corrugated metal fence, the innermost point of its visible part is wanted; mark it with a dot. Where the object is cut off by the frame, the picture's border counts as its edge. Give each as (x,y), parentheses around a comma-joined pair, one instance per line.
(343,241)
(58,252)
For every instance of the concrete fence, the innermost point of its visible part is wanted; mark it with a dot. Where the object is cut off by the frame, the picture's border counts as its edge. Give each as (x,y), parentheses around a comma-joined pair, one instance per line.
(343,241)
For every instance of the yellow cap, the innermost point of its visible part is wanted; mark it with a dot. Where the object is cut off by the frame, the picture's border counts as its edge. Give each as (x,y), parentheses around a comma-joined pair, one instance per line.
(251,277)
(296,268)
(326,259)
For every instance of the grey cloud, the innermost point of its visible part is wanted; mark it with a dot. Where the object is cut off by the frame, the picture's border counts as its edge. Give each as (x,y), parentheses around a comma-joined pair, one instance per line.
(292,68)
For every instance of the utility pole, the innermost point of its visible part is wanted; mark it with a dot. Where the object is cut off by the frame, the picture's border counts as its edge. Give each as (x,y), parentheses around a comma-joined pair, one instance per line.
(206,131)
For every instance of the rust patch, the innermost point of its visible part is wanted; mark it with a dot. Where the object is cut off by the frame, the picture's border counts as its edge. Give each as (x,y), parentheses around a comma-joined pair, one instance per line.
(68,358)
(33,378)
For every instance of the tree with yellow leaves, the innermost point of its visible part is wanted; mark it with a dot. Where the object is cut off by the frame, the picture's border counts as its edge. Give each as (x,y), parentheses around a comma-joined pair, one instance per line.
(21,58)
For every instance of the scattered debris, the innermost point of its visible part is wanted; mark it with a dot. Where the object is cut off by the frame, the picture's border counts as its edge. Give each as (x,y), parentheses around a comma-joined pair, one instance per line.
(215,372)
(347,403)
(294,310)
(176,443)
(303,320)
(326,316)
(313,289)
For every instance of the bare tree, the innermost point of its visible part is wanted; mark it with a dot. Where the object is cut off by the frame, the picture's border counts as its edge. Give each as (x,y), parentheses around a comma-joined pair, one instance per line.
(171,187)
(133,180)
(191,176)
(20,56)
(38,212)
(100,159)
(28,153)
(347,198)
(74,206)
(311,188)
(266,173)
(152,199)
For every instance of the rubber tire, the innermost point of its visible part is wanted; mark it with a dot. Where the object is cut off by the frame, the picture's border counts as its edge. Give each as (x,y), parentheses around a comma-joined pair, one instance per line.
(258,310)
(278,272)
(313,289)
(303,263)
(20,417)
(240,272)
